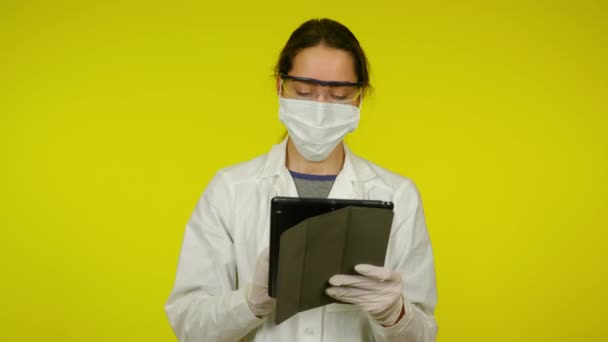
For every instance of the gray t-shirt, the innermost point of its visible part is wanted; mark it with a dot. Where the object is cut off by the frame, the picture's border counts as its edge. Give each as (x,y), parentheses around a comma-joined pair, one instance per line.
(313,185)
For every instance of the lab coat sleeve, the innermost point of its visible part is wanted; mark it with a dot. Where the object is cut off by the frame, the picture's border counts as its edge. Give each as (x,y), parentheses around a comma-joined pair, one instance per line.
(205,304)
(410,254)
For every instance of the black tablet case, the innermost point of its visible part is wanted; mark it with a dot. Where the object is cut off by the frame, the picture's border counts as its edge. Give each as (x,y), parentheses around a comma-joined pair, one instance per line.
(286,212)
(324,245)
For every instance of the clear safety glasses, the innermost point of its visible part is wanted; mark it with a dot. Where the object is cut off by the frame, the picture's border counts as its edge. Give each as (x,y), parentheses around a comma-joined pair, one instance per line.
(302,88)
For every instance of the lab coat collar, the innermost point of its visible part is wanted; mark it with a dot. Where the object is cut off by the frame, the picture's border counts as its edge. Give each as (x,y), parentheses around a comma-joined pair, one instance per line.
(354,168)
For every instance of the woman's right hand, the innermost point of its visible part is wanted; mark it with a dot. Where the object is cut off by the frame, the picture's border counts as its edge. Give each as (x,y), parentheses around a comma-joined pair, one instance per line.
(260,303)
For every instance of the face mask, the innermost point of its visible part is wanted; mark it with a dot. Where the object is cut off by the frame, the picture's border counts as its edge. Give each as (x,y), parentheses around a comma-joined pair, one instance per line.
(316,128)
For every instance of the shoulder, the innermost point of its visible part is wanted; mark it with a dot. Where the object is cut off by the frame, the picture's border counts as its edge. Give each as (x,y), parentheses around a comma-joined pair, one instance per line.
(223,185)
(242,172)
(385,178)
(401,190)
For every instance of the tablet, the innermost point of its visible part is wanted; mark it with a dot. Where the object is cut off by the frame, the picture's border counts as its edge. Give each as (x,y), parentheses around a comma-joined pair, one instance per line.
(286,212)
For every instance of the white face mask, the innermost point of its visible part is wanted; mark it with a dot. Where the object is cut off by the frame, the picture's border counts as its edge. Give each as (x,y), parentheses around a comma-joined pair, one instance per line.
(316,128)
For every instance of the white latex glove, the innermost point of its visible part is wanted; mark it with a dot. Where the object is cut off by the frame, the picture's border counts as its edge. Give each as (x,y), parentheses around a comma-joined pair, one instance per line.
(260,303)
(378,290)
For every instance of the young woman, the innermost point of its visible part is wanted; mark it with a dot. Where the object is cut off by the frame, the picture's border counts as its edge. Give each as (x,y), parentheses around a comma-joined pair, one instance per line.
(220,291)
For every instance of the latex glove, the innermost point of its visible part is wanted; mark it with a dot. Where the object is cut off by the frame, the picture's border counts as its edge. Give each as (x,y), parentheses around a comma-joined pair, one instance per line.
(378,290)
(260,303)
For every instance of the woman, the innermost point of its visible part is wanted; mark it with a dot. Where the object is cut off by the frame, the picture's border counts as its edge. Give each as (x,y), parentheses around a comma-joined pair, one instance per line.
(220,291)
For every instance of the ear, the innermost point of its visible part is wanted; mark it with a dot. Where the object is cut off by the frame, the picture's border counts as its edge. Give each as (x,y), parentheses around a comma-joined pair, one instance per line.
(278,84)
(357,102)
(363,94)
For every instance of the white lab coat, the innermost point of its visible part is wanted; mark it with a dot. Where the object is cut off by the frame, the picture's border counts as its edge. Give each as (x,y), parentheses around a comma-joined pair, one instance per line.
(230,226)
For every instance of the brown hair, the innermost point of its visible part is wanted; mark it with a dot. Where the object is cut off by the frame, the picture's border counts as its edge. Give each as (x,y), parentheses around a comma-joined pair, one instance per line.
(326,32)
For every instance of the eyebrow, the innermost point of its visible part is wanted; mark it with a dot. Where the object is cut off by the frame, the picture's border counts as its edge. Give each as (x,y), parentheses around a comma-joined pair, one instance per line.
(323,83)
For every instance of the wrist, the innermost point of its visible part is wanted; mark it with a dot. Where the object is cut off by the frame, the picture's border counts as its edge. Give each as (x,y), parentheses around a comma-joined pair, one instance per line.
(260,304)
(399,317)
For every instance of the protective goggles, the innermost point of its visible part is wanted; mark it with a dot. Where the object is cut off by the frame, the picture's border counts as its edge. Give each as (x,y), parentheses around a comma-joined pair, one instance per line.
(311,89)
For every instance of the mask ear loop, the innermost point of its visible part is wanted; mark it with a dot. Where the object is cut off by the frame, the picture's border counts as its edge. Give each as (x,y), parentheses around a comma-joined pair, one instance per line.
(280,87)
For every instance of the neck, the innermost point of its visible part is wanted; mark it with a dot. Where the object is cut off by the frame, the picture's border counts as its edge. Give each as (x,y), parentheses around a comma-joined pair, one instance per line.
(330,166)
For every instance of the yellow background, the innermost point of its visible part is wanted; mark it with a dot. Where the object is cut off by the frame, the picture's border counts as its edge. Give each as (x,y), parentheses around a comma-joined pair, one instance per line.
(114,115)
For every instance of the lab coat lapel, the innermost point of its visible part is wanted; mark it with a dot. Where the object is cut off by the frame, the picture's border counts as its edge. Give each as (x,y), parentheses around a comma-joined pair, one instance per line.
(350,184)
(343,188)
(284,185)
(275,171)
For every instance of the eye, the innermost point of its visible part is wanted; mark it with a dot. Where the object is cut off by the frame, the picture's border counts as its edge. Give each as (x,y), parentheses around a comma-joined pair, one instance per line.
(339,99)
(341,94)
(303,92)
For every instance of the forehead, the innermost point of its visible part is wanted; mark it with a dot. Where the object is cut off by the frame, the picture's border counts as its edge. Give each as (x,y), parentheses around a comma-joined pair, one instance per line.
(324,63)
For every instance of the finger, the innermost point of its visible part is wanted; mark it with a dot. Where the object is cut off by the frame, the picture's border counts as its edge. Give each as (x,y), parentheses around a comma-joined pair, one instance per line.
(346,279)
(264,256)
(360,282)
(265,253)
(331,291)
(347,294)
(376,272)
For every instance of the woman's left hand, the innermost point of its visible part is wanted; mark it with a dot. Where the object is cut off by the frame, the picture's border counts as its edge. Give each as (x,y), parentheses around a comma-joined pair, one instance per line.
(378,290)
